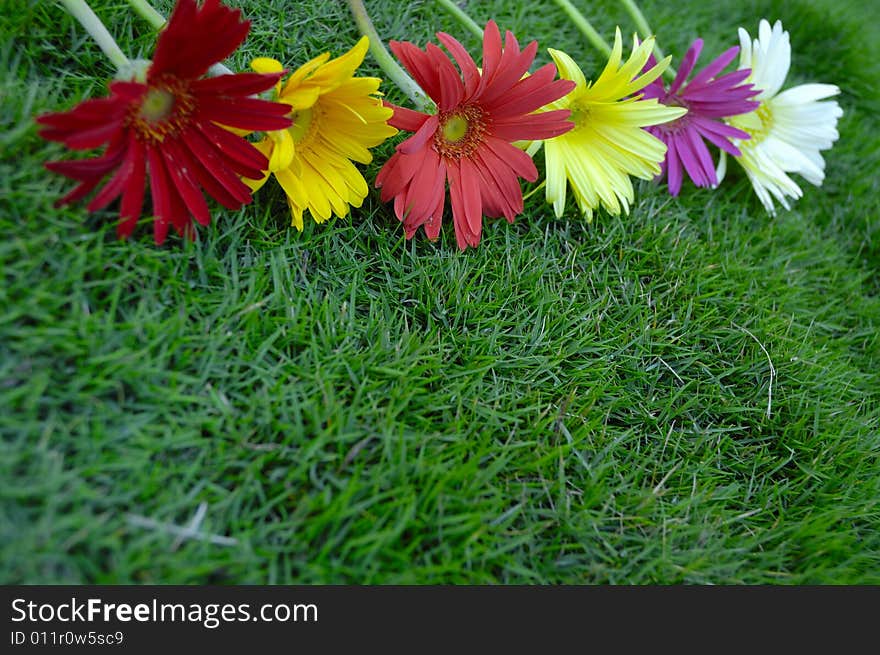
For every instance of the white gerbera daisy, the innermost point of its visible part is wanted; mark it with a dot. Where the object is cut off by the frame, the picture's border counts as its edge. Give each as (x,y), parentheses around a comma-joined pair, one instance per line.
(789,129)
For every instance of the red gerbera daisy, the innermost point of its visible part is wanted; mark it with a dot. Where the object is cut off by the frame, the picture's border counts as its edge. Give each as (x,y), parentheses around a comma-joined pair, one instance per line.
(468,142)
(168,126)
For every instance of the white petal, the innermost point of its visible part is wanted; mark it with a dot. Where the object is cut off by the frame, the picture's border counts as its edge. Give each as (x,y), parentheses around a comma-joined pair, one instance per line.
(792,160)
(804,93)
(745,49)
(721,169)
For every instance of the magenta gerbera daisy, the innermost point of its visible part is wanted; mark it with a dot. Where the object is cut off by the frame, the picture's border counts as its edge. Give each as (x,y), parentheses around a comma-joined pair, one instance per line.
(169,127)
(708,99)
(467,144)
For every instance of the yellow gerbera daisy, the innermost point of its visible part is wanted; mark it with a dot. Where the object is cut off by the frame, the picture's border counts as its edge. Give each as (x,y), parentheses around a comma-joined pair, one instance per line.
(336,119)
(608,144)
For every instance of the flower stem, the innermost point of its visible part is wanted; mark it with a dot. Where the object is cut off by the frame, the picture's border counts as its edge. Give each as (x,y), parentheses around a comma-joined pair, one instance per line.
(459,14)
(146,11)
(535,190)
(642,25)
(394,72)
(585,26)
(81,11)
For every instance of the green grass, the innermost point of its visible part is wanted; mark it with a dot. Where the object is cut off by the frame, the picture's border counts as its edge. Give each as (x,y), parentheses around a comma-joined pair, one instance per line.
(688,394)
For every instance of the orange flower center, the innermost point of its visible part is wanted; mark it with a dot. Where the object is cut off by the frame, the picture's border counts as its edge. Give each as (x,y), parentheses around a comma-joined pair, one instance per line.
(165,109)
(461,131)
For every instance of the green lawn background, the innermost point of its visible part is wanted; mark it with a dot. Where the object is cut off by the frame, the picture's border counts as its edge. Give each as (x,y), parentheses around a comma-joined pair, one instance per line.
(686,394)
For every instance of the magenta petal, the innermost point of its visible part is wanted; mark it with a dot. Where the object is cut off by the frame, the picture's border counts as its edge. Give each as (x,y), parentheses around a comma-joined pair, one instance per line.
(702,171)
(687,65)
(689,159)
(719,134)
(673,167)
(717,65)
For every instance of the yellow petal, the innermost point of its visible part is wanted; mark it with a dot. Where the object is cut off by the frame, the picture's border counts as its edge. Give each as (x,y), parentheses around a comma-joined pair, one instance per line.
(266,65)
(282,151)
(265,147)
(568,68)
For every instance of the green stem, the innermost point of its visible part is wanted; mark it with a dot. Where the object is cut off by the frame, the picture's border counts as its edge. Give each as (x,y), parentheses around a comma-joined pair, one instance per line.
(459,14)
(81,11)
(535,190)
(146,11)
(585,26)
(642,25)
(394,72)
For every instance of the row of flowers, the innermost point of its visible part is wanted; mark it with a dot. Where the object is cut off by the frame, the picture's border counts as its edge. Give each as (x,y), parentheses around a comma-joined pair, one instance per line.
(175,126)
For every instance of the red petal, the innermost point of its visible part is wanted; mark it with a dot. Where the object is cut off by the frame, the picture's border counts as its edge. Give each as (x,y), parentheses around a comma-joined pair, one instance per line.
(159,191)
(397,173)
(167,205)
(127,92)
(469,69)
(421,197)
(85,169)
(238,154)
(88,171)
(532,93)
(386,171)
(197,37)
(88,125)
(79,192)
(214,174)
(544,125)
(491,53)
(114,188)
(181,175)
(84,115)
(514,64)
(245,113)
(406,119)
(492,202)
(451,86)
(420,139)
(238,84)
(453,174)
(394,176)
(505,181)
(419,65)
(133,197)
(415,163)
(473,206)
(515,158)
(432,226)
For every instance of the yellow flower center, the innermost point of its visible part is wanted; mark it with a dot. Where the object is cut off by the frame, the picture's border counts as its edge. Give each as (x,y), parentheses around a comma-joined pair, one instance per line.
(461,131)
(165,109)
(580,112)
(757,123)
(455,129)
(304,122)
(157,105)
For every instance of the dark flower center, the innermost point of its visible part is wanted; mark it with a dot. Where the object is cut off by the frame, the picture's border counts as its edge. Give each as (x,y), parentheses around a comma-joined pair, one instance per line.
(165,110)
(461,131)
